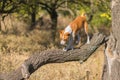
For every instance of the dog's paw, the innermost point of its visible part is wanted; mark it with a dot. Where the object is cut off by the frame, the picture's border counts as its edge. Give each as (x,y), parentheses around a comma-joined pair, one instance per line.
(64,49)
(88,42)
(72,49)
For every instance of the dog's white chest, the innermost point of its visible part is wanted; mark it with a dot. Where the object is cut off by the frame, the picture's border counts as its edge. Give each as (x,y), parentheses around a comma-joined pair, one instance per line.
(68,29)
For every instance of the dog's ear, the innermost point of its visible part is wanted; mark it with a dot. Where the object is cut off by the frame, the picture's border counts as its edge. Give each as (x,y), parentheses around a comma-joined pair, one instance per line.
(60,31)
(67,34)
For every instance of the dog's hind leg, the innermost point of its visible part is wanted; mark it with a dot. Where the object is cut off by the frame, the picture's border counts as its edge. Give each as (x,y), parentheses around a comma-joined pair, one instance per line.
(86,31)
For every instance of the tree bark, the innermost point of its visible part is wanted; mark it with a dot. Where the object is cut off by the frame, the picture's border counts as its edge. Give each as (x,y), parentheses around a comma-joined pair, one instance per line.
(53,16)
(33,18)
(54,56)
(111,69)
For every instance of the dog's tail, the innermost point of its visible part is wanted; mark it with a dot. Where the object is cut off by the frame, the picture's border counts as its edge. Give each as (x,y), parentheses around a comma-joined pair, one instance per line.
(83,14)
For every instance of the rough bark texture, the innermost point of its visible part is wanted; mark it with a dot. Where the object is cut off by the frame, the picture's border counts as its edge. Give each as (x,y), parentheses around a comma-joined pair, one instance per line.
(54,56)
(112,52)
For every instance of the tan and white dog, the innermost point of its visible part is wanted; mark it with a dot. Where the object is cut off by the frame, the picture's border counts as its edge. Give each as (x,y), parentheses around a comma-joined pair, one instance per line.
(72,30)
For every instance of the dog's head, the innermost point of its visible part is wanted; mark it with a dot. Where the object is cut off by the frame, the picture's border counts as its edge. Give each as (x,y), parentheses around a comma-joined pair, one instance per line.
(64,36)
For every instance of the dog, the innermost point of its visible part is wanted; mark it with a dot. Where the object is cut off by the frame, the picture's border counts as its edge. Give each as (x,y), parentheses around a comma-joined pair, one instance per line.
(67,36)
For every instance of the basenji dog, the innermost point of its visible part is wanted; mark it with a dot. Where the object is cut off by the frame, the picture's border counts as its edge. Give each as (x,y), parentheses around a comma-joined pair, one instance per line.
(67,36)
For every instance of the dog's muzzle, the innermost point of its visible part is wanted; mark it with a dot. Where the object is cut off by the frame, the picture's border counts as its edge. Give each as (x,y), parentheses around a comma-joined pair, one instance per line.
(62,42)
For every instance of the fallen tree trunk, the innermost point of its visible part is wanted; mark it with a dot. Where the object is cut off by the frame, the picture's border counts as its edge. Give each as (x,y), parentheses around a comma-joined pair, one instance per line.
(54,56)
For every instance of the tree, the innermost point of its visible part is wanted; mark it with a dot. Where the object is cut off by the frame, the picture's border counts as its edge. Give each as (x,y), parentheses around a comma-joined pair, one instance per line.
(31,8)
(8,7)
(111,69)
(51,7)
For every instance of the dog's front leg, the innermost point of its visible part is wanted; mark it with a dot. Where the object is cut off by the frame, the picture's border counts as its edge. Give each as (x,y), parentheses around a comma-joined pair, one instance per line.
(73,36)
(78,38)
(69,45)
(88,39)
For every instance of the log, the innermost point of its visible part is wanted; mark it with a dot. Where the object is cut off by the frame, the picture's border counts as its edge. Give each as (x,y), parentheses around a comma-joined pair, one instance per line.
(39,59)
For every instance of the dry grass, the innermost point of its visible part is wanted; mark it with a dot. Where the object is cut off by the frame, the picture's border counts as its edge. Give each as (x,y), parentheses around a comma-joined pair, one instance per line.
(11,61)
(29,43)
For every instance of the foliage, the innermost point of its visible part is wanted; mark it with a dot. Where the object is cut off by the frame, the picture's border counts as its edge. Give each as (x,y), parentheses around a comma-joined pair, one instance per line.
(98,11)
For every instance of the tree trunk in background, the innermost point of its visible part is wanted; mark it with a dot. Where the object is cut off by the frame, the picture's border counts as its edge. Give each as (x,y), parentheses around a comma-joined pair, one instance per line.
(0,23)
(53,16)
(33,18)
(111,70)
